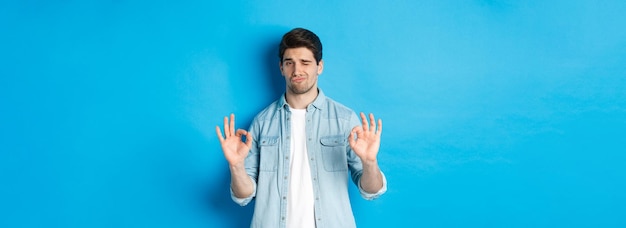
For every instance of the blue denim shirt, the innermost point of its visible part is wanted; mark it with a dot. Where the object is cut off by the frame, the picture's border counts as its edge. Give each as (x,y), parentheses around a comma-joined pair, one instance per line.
(330,157)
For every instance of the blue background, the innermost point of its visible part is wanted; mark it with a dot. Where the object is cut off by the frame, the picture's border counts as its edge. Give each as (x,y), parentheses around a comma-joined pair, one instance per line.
(496,113)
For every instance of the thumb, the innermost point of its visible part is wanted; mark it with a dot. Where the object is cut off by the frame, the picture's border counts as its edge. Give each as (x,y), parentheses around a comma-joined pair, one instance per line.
(351,139)
(249,139)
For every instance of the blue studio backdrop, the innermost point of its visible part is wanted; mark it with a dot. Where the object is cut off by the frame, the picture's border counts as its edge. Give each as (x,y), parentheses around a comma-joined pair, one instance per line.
(497,113)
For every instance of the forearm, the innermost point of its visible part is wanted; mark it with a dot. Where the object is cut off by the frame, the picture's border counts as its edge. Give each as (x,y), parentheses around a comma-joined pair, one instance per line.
(240,182)
(371,179)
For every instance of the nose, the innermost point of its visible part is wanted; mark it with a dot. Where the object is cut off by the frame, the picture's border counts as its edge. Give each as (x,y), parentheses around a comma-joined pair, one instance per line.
(296,69)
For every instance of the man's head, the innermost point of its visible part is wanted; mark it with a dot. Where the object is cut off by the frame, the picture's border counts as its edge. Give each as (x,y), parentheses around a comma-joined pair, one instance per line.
(301,61)
(300,37)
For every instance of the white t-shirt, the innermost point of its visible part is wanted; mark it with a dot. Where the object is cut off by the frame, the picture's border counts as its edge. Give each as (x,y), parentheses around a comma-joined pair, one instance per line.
(300,208)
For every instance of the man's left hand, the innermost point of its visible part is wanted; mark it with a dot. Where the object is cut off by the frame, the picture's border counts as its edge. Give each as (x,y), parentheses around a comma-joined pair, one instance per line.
(367,140)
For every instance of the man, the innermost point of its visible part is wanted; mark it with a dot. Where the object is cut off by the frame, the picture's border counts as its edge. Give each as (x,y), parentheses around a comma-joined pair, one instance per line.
(296,155)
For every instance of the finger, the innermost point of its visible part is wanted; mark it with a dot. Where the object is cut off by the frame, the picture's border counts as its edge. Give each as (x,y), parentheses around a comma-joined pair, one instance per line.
(364,121)
(226,129)
(219,134)
(232,123)
(356,132)
(248,139)
(351,137)
(372,123)
(380,127)
(241,132)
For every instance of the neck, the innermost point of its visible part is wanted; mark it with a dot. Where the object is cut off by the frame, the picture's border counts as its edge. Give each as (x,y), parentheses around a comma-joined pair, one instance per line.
(301,101)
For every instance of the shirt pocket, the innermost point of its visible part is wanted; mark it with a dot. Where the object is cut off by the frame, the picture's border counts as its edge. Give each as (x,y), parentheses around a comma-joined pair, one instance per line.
(268,146)
(334,153)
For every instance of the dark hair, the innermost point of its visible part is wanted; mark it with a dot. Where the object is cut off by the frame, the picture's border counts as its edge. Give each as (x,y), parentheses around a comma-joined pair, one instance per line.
(300,37)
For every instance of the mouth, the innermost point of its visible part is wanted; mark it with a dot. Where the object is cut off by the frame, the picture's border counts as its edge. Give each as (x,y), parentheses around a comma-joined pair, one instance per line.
(298,80)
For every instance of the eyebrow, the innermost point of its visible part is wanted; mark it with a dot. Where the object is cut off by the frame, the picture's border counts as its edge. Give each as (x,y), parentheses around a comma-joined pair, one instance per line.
(302,60)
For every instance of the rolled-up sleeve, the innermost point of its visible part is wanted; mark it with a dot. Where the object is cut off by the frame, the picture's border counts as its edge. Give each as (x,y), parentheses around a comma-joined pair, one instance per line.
(244,201)
(372,196)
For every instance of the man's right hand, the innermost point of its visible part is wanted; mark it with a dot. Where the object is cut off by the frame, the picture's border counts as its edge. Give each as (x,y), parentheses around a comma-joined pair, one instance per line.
(233,145)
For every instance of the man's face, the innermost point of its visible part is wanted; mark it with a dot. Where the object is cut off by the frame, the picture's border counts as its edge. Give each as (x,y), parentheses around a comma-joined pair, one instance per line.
(300,70)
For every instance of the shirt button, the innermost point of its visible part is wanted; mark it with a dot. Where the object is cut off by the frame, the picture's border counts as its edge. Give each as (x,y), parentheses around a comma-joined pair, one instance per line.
(283,218)
(284,197)
(317,198)
(285,177)
(314,179)
(312,159)
(309,139)
(286,157)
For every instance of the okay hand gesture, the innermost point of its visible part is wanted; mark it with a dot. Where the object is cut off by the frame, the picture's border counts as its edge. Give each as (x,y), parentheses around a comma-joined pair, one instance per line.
(367,140)
(233,145)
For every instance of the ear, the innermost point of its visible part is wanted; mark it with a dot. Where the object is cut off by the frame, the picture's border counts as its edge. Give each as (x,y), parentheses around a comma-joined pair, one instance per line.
(320,67)
(280,66)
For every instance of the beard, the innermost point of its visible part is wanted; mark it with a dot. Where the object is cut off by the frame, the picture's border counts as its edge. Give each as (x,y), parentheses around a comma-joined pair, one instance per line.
(300,89)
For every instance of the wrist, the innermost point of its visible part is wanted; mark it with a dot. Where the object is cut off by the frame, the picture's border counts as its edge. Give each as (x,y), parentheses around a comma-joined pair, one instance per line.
(236,166)
(369,163)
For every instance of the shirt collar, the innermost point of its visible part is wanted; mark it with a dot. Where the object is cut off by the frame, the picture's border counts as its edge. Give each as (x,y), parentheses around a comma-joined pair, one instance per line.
(317,103)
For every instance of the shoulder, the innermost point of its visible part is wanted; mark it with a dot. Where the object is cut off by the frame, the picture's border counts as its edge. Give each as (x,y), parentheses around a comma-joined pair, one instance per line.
(339,110)
(268,112)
